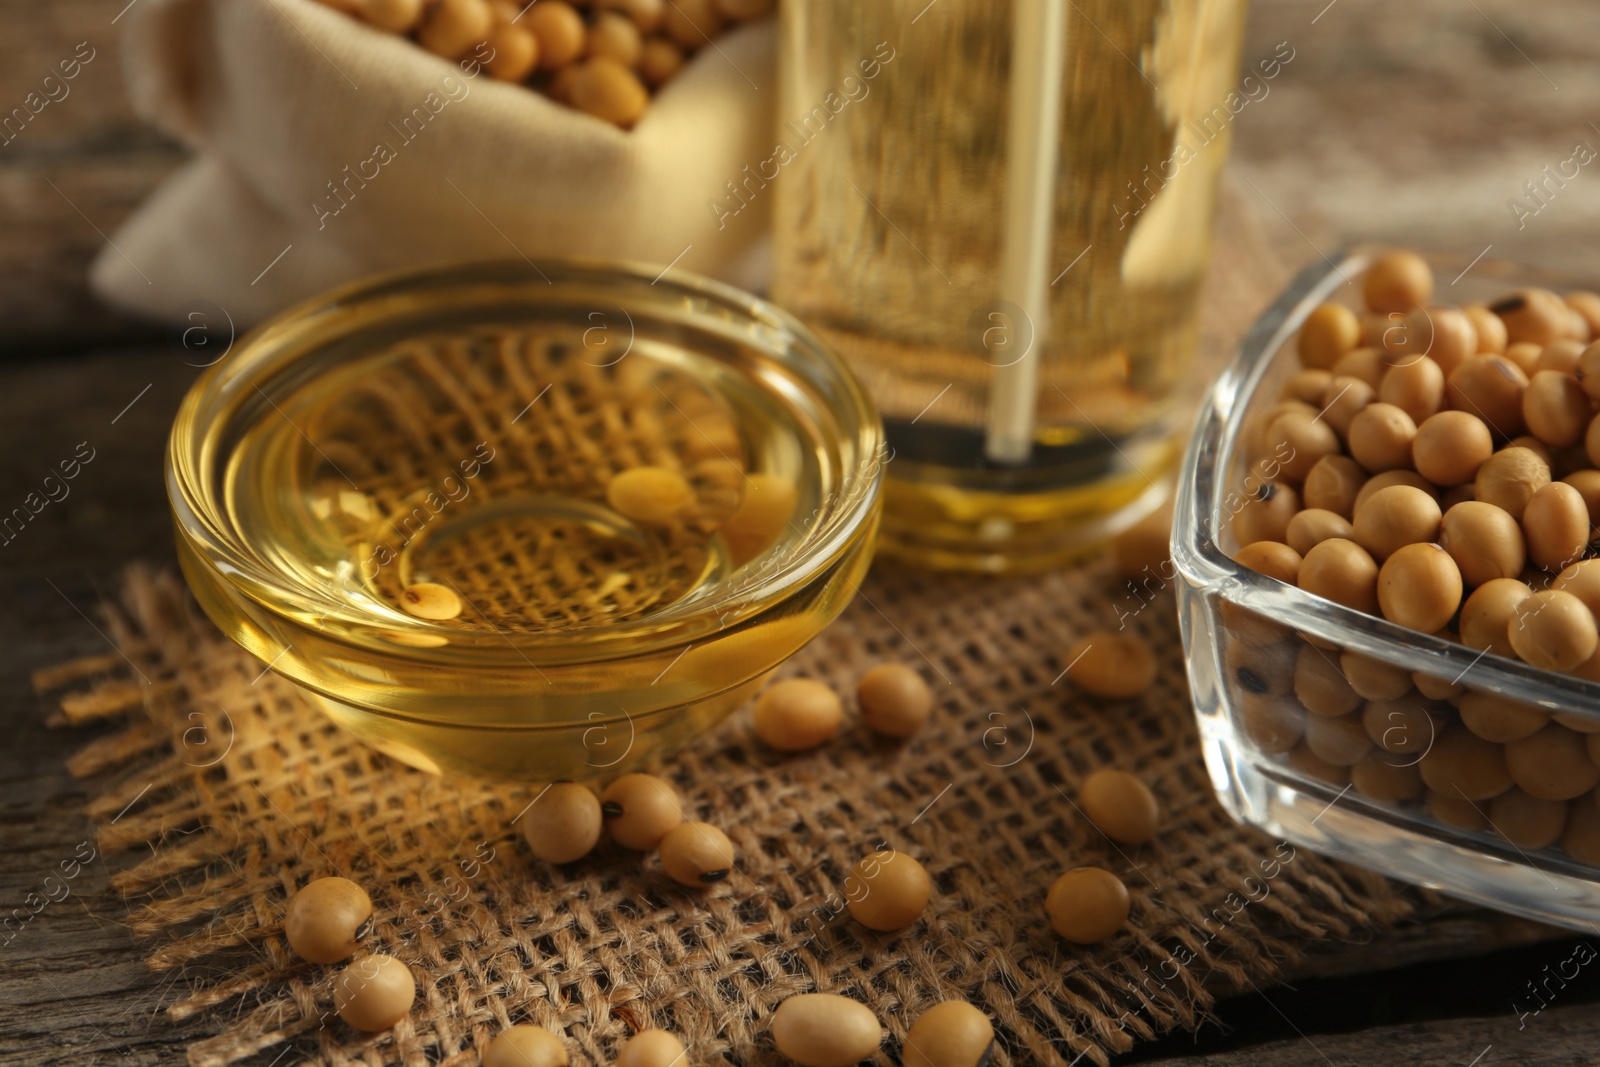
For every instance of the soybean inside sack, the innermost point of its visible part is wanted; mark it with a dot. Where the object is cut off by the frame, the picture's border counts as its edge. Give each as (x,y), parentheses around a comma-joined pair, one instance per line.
(327,150)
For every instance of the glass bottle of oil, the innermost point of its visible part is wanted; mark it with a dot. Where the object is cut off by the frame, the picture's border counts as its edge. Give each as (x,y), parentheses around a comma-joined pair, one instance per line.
(893,154)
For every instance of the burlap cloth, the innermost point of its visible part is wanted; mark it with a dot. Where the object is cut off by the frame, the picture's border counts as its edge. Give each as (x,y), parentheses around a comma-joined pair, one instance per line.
(241,793)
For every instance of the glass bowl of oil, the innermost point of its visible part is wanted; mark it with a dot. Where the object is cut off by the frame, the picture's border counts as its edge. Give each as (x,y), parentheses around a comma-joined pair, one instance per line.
(399,496)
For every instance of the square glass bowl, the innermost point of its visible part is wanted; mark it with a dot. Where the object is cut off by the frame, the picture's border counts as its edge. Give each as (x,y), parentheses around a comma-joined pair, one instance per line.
(408,497)
(1352,778)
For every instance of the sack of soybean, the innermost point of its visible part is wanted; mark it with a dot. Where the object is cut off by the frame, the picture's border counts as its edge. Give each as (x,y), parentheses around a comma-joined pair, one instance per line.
(326,150)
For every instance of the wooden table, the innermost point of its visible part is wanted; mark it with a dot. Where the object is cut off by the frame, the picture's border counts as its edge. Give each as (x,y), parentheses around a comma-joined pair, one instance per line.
(1377,130)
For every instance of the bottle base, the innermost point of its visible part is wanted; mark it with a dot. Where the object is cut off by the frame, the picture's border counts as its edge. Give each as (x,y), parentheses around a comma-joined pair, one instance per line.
(930,520)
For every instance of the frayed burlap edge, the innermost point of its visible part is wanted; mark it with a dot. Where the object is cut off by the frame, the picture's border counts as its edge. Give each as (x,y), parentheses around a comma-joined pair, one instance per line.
(242,792)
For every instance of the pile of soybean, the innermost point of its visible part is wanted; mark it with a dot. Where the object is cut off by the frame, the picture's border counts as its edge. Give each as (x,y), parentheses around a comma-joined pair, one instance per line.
(603,57)
(1436,466)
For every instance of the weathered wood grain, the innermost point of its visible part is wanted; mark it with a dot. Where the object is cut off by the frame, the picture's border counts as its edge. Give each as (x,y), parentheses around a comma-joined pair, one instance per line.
(69,175)
(59,213)
(73,988)
(1417,122)
(1458,931)
(1558,1037)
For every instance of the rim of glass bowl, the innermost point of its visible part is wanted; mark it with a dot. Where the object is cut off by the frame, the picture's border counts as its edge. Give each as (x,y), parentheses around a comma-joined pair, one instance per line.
(1209,467)
(273,347)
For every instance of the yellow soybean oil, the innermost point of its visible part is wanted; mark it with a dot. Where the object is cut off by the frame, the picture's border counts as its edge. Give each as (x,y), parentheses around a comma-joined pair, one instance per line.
(890,218)
(408,468)
(471,462)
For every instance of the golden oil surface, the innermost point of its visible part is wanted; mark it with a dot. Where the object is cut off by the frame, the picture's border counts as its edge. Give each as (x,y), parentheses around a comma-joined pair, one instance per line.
(478,459)
(481,463)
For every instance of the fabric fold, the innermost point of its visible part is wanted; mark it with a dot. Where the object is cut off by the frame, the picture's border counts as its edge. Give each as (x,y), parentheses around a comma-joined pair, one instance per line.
(327,150)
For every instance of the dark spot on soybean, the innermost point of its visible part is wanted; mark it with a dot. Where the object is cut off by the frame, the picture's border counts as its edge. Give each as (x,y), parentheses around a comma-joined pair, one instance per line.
(1267,491)
(1505,306)
(1252,681)
(713,876)
(611,809)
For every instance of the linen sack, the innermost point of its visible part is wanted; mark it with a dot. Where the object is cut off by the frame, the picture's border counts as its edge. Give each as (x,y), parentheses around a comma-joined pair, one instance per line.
(326,150)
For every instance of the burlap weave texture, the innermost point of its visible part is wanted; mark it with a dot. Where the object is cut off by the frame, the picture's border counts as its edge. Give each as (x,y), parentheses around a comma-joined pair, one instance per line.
(245,793)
